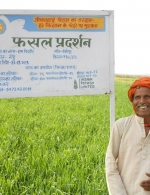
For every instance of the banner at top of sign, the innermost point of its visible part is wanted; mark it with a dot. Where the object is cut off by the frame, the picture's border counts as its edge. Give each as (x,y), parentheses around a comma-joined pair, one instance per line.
(91,23)
(50,23)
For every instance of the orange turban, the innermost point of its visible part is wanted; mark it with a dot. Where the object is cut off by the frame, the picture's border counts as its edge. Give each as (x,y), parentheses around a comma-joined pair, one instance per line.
(142,82)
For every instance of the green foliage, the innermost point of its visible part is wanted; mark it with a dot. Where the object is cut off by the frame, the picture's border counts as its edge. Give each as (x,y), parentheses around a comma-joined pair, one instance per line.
(57,145)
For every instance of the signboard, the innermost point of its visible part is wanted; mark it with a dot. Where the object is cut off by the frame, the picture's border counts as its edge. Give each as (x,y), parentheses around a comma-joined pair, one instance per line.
(55,53)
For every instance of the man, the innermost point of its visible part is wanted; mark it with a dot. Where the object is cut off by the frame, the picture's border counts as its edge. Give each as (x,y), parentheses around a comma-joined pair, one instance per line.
(128,152)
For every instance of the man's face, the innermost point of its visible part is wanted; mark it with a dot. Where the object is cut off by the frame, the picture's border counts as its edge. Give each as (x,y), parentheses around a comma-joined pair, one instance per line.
(141,102)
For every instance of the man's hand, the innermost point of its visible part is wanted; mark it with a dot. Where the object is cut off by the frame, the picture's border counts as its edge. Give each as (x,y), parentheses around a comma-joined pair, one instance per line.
(146,183)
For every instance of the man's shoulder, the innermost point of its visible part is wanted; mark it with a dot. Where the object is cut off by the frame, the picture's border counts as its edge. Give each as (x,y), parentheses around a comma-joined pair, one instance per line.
(125,118)
(125,121)
(121,125)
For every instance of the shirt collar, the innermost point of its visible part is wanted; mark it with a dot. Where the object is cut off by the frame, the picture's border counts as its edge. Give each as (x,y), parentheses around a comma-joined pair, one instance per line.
(139,119)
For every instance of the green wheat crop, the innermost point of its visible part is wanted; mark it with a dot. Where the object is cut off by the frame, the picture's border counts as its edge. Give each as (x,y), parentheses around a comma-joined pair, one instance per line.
(57,145)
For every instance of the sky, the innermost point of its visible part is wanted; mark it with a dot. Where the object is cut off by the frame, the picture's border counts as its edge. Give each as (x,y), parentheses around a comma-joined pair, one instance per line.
(131,27)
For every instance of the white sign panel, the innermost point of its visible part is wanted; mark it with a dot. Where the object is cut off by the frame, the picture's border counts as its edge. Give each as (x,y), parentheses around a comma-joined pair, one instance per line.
(53,53)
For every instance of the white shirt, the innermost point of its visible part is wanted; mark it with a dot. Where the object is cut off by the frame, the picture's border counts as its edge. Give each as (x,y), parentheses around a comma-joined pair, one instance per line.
(128,157)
